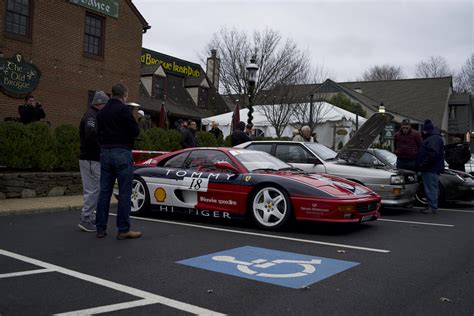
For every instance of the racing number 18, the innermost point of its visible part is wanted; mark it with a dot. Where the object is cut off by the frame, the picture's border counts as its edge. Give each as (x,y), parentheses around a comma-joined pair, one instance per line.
(195,184)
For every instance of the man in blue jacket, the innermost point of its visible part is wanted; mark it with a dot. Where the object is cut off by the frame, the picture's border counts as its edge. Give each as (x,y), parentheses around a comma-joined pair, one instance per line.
(430,161)
(118,129)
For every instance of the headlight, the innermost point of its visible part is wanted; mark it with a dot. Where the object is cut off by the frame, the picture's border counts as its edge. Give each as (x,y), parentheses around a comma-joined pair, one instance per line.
(397,180)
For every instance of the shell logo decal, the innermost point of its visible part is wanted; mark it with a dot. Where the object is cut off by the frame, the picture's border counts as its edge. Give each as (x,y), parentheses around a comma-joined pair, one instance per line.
(160,194)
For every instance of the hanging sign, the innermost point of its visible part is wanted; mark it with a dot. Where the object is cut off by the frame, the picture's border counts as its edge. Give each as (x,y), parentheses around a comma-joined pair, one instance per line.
(18,78)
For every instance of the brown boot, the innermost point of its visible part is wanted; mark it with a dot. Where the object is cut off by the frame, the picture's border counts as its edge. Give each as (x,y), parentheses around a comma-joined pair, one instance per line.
(129,234)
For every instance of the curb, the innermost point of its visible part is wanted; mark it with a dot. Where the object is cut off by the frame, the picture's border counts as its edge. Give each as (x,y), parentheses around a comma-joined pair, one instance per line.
(41,210)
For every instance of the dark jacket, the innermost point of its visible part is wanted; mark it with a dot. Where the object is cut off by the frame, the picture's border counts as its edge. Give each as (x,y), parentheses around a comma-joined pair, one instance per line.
(457,153)
(431,154)
(217,133)
(88,132)
(407,145)
(188,138)
(30,113)
(238,137)
(117,126)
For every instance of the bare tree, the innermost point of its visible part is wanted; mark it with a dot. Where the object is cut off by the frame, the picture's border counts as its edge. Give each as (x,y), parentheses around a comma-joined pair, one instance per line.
(279,61)
(383,72)
(434,67)
(278,110)
(464,81)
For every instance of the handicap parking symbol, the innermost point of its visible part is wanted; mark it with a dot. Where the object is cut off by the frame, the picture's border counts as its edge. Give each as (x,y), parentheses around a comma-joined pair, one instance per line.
(271,266)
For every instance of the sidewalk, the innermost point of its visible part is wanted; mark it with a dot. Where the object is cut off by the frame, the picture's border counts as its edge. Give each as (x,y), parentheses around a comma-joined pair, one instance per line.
(43,204)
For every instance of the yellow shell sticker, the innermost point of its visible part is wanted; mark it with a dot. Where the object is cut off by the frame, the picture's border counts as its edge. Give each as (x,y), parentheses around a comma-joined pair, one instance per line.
(160,194)
(248,178)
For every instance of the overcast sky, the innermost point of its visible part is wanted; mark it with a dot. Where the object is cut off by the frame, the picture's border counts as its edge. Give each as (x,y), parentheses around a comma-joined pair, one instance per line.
(345,37)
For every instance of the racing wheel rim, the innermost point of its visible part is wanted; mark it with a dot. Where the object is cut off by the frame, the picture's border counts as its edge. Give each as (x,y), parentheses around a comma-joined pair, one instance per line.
(138,196)
(270,207)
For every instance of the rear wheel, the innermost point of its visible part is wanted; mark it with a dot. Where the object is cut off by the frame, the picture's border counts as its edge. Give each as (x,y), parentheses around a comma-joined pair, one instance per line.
(271,207)
(140,197)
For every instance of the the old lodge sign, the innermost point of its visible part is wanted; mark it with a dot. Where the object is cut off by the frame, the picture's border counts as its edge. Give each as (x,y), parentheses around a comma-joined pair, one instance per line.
(18,77)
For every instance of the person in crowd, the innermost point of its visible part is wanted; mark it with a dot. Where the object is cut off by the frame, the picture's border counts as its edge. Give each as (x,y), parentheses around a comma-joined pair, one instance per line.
(250,131)
(216,131)
(430,162)
(118,129)
(238,135)
(304,135)
(142,120)
(407,142)
(457,155)
(188,136)
(89,161)
(178,125)
(31,111)
(296,132)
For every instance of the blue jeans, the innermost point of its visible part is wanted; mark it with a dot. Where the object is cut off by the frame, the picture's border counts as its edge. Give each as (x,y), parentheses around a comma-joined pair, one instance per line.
(407,164)
(430,184)
(115,163)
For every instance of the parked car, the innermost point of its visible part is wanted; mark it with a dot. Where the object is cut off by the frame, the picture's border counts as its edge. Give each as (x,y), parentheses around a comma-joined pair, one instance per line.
(231,183)
(453,185)
(396,187)
(469,166)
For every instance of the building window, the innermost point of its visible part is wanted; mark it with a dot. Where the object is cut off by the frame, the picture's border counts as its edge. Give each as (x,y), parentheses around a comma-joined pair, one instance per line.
(203,97)
(18,18)
(159,87)
(94,35)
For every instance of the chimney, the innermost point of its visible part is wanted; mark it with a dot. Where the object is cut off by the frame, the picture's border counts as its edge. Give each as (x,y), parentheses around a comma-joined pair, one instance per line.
(212,68)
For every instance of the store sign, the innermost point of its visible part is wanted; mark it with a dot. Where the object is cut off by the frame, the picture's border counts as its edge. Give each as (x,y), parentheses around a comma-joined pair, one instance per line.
(106,7)
(18,77)
(389,131)
(170,64)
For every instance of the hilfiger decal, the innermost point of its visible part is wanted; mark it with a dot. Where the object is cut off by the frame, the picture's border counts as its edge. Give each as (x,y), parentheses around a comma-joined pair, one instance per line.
(248,178)
(160,194)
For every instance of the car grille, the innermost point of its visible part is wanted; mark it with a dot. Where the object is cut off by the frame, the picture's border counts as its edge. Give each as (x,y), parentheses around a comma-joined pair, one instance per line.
(368,207)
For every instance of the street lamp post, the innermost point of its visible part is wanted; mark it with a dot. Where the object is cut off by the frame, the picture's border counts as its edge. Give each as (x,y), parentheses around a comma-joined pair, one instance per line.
(252,69)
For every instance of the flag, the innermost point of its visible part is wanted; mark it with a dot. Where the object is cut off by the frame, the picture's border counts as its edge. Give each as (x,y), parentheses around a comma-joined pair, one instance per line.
(161,122)
(235,117)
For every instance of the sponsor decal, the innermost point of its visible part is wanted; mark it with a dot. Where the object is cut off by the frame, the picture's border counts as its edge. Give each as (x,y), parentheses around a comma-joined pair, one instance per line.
(313,209)
(215,201)
(201,175)
(160,194)
(248,178)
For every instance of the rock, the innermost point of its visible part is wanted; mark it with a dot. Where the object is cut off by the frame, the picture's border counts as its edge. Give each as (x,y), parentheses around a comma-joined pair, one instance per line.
(57,191)
(28,193)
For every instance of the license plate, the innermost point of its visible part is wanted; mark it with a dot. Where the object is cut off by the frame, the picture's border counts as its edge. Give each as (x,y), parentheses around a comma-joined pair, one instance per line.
(366,218)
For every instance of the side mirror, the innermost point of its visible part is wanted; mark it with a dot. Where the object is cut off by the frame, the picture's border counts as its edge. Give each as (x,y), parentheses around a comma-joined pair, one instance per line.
(313,160)
(225,165)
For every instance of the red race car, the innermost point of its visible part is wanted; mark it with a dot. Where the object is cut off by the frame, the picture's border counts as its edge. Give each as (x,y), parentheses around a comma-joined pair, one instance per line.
(233,183)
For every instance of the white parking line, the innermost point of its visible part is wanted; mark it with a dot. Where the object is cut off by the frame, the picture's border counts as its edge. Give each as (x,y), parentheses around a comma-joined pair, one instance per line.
(261,235)
(448,210)
(22,273)
(148,298)
(410,222)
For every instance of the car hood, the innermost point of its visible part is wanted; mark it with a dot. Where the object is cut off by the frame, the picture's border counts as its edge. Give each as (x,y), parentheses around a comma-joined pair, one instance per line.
(364,137)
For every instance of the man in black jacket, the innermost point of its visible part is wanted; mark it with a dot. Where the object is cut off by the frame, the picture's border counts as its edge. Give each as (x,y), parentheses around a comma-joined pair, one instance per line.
(31,111)
(238,135)
(89,161)
(118,129)
(188,136)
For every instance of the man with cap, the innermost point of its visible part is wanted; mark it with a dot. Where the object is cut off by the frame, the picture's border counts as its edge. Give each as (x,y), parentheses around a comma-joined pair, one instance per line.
(430,161)
(407,142)
(89,161)
(238,135)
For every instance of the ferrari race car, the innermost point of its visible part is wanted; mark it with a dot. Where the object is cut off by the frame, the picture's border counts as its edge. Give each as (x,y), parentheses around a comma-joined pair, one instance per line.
(234,183)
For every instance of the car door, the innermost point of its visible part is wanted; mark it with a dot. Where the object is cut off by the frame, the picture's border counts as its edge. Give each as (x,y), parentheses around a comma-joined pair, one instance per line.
(298,156)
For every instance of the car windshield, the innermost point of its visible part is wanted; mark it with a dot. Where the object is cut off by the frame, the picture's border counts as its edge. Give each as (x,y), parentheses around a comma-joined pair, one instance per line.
(322,151)
(388,156)
(259,161)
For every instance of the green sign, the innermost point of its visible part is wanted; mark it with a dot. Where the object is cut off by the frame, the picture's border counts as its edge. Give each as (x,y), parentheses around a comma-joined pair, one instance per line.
(389,131)
(106,7)
(17,77)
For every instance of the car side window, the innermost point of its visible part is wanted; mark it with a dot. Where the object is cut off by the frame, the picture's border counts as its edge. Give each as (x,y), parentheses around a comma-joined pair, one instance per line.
(261,147)
(176,161)
(292,153)
(204,160)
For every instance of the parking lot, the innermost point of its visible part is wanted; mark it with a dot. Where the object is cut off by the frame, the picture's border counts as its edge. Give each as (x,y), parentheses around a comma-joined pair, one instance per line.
(404,263)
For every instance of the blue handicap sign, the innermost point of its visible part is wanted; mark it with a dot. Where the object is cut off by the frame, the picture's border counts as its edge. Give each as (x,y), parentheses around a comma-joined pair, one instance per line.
(271,266)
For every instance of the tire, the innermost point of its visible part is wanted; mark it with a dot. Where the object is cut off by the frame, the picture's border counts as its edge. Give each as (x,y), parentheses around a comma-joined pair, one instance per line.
(140,197)
(421,196)
(271,207)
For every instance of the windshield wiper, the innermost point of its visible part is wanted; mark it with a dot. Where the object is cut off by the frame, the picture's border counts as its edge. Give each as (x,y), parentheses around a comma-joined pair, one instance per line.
(264,169)
(290,169)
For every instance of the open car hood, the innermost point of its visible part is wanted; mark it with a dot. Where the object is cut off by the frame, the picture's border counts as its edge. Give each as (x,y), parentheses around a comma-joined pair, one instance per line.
(364,137)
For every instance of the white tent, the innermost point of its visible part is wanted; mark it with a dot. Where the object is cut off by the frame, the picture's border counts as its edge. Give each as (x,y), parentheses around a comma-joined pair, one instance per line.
(335,126)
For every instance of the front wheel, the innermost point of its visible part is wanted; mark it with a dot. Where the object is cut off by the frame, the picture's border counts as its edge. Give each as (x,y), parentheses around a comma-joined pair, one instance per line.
(271,207)
(140,197)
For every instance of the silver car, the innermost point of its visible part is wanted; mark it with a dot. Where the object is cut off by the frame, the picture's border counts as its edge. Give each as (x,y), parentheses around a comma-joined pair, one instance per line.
(396,187)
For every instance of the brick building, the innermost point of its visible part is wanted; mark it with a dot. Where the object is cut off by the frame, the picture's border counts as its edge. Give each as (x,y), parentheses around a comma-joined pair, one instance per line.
(78,46)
